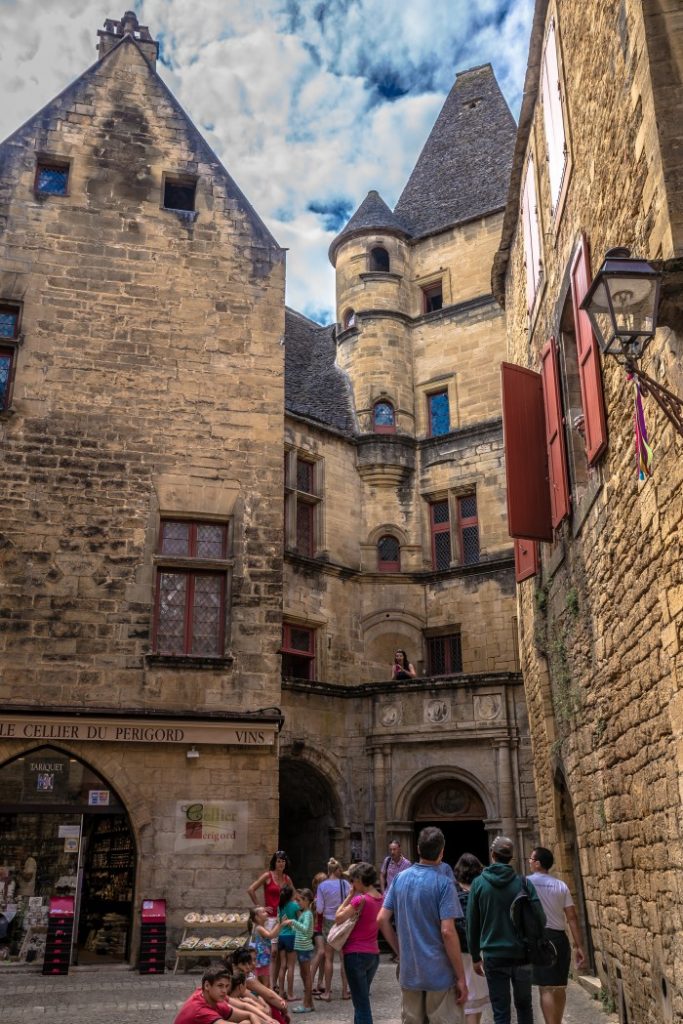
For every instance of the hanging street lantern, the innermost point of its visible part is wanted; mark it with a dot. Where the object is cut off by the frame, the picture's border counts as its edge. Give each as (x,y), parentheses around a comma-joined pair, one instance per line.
(622,304)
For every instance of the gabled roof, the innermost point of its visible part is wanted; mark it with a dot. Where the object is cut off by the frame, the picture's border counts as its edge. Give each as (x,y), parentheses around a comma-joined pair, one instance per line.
(464,167)
(373,214)
(315,387)
(199,146)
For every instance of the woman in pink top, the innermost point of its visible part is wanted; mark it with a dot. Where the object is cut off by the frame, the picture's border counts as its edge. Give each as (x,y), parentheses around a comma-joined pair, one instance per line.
(361,952)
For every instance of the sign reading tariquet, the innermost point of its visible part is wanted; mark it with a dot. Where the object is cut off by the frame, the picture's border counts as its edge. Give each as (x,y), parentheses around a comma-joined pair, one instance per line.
(123,730)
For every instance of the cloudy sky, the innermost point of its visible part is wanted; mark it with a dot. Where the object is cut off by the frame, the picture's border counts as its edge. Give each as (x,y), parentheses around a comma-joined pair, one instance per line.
(309,103)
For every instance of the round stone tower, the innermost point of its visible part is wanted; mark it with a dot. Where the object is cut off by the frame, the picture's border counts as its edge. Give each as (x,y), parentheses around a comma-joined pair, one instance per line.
(371,259)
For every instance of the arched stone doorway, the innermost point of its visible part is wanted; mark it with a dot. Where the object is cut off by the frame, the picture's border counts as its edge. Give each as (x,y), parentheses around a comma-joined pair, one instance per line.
(65,832)
(309,815)
(458,810)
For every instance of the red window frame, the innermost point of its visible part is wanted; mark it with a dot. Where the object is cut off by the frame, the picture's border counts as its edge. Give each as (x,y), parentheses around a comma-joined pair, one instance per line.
(554,425)
(526,559)
(467,522)
(447,653)
(299,652)
(176,565)
(588,356)
(430,292)
(384,565)
(526,454)
(383,428)
(436,528)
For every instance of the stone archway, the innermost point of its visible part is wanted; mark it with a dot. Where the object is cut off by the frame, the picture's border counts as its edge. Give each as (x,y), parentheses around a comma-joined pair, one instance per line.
(455,807)
(309,818)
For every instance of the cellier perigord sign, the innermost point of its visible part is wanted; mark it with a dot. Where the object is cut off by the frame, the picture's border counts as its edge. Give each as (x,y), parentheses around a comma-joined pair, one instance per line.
(136,730)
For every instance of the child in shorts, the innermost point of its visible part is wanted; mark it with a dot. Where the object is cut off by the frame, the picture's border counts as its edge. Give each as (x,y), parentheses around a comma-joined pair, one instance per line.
(303,946)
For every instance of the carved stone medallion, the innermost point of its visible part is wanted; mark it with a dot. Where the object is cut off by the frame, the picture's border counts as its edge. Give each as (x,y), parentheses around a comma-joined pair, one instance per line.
(437,711)
(487,706)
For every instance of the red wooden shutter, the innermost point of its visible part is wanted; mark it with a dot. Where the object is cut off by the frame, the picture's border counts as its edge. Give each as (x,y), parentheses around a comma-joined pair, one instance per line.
(526,459)
(589,359)
(554,426)
(526,559)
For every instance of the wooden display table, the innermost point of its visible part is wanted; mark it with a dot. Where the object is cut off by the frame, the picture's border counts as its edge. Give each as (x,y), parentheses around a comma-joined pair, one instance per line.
(235,934)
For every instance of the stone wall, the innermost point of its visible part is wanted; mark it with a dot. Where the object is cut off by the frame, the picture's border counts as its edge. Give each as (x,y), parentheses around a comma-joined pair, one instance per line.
(600,628)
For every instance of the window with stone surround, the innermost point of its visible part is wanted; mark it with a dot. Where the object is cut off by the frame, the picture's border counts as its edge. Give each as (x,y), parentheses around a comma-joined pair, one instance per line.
(193,566)
(179,193)
(439,413)
(298,651)
(432,297)
(9,339)
(388,554)
(303,503)
(468,529)
(440,529)
(444,654)
(383,417)
(379,260)
(52,178)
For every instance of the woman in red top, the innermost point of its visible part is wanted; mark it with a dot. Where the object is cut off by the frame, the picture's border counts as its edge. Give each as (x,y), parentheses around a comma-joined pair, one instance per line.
(361,952)
(272,882)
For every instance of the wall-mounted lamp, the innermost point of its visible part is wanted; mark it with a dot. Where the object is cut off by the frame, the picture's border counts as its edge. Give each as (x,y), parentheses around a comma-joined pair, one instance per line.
(623,304)
(192,753)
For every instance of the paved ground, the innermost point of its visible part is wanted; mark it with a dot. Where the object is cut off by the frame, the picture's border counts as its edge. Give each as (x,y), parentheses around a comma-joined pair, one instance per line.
(116,996)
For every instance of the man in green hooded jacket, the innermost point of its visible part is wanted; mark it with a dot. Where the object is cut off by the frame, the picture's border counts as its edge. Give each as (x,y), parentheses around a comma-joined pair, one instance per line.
(491,933)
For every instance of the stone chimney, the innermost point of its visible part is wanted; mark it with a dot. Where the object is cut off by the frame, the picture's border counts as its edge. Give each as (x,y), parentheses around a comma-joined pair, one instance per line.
(114,31)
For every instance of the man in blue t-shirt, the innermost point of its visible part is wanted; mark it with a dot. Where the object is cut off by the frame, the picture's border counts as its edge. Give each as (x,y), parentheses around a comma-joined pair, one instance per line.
(425,904)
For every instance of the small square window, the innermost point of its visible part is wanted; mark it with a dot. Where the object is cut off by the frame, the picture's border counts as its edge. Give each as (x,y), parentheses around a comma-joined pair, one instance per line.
(52,179)
(9,321)
(179,194)
(298,652)
(432,297)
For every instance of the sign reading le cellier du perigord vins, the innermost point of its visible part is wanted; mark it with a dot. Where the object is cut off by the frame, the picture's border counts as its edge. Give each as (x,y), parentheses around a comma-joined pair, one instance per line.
(122,730)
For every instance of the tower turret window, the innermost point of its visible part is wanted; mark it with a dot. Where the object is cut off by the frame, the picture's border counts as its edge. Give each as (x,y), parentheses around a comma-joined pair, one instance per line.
(388,554)
(379,259)
(383,418)
(349,319)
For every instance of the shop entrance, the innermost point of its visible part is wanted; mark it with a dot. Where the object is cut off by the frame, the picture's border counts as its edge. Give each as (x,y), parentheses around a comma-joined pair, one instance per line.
(457,809)
(63,832)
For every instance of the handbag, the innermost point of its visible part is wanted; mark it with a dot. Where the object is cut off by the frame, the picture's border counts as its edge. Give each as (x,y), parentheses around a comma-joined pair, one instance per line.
(339,934)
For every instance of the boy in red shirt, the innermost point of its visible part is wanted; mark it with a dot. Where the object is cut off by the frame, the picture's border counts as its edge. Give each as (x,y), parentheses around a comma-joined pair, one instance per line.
(209,1003)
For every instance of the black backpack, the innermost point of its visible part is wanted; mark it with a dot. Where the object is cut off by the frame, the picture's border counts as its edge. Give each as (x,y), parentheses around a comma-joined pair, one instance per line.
(541,952)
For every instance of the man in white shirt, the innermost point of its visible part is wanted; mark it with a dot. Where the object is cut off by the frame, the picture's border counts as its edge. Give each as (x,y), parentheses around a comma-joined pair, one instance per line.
(559,908)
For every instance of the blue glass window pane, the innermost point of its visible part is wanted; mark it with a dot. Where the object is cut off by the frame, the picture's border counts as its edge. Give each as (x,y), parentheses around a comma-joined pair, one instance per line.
(8,323)
(52,180)
(384,415)
(5,367)
(439,416)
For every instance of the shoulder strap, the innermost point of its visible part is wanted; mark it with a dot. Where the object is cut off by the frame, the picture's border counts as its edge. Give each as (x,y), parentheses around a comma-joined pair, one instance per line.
(385,865)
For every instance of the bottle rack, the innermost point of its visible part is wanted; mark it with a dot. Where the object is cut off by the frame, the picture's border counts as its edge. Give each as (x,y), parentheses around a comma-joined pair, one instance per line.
(153,937)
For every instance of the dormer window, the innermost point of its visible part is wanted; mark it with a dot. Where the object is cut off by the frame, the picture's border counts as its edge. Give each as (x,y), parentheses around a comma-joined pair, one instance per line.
(379,259)
(179,193)
(432,297)
(383,418)
(52,178)
(349,319)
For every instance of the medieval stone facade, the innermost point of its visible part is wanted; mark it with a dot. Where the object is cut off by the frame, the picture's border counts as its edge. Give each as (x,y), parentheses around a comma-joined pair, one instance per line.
(163,566)
(600,608)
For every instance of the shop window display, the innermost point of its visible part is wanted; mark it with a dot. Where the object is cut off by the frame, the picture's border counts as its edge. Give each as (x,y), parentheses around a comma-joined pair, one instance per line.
(60,822)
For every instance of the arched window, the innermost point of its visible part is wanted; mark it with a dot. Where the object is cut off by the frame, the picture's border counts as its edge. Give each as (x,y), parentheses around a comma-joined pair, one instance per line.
(349,319)
(379,259)
(383,418)
(388,554)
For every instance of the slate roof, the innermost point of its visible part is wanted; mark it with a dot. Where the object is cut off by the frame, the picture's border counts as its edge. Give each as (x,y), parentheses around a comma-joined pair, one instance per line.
(315,387)
(373,214)
(463,170)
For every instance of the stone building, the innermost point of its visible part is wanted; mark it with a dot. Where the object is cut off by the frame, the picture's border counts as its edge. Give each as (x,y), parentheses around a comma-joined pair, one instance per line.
(597,165)
(198,635)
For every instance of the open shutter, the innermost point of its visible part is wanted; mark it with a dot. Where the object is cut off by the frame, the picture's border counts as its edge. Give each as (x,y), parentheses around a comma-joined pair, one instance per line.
(589,359)
(553,118)
(554,425)
(526,460)
(526,559)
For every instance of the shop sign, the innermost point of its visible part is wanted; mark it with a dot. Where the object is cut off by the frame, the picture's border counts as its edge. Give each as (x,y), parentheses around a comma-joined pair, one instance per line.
(212,826)
(46,778)
(132,731)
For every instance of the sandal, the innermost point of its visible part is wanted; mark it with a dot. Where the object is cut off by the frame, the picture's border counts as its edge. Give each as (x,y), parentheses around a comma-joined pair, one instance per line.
(302,1009)
(325,997)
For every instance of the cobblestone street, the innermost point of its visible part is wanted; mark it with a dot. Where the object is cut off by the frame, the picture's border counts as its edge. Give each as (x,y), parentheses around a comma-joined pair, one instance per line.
(123,997)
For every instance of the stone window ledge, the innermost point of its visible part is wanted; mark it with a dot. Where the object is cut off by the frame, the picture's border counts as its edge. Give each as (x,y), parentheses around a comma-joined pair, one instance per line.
(188,661)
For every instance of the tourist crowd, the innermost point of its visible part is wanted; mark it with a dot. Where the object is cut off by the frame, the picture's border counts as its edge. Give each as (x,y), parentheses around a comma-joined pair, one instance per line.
(464,939)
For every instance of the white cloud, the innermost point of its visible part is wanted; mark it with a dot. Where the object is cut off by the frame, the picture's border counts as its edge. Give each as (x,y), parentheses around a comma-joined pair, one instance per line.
(290,93)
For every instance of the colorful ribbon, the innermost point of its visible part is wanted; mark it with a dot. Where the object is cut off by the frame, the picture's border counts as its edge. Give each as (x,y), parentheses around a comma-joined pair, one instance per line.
(644,456)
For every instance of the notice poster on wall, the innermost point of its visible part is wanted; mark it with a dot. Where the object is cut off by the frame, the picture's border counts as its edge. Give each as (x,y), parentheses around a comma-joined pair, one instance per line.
(215,826)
